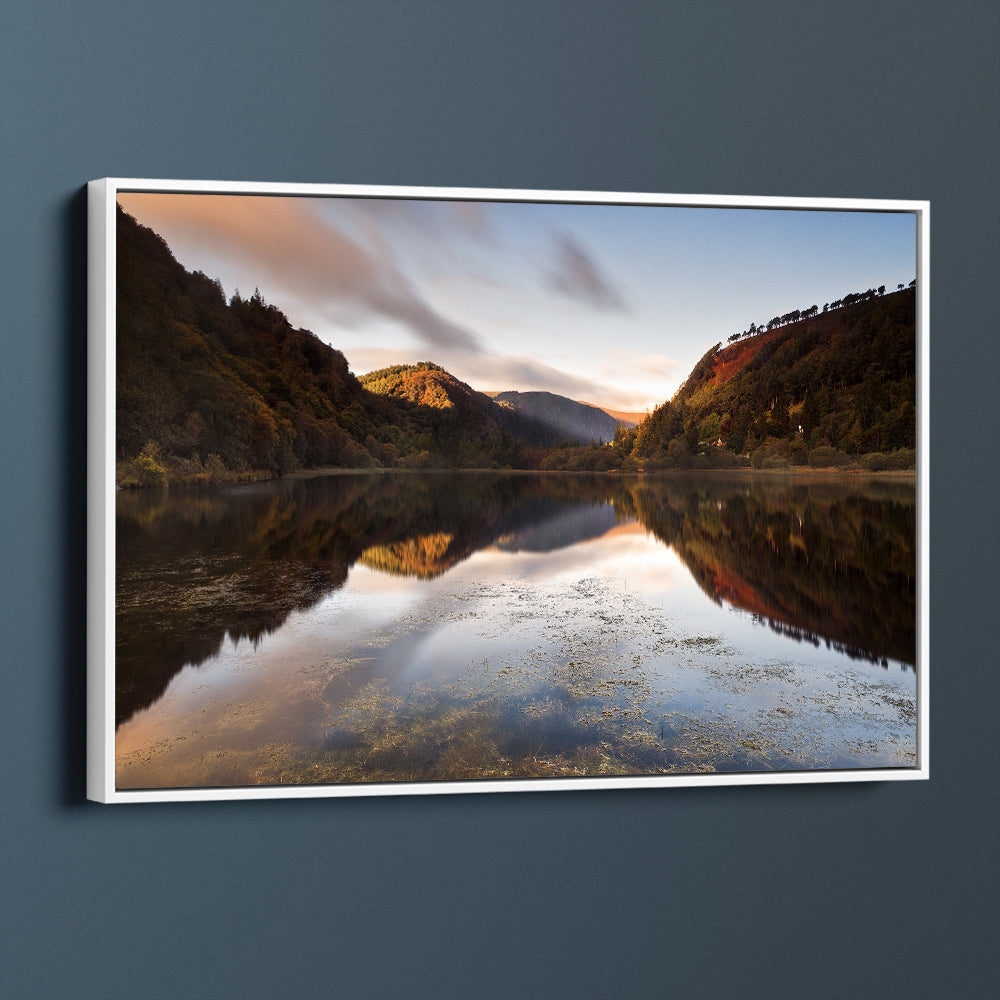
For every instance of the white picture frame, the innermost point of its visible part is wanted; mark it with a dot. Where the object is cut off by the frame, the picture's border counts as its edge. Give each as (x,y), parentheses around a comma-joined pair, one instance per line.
(102,490)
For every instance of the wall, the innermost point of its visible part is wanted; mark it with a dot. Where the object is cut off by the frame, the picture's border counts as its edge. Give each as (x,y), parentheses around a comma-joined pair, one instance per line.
(885,890)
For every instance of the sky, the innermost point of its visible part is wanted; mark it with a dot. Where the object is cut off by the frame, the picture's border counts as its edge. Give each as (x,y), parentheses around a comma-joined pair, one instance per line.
(607,304)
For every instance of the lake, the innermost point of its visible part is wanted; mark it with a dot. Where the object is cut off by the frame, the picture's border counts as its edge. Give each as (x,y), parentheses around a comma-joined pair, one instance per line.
(417,627)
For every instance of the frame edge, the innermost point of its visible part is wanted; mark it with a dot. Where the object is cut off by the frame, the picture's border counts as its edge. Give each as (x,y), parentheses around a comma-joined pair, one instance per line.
(100,479)
(101,281)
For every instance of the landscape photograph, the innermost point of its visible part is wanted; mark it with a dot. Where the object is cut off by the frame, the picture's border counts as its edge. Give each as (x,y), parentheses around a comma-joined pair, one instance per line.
(419,490)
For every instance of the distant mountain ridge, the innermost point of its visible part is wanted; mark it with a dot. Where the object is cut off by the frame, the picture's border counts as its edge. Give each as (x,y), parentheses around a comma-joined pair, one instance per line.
(567,418)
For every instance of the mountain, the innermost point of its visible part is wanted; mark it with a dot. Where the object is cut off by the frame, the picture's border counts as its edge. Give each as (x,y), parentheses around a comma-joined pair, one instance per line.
(825,390)
(210,390)
(565,418)
(429,385)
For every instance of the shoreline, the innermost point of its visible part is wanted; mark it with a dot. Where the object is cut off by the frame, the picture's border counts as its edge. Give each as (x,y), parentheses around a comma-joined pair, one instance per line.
(795,471)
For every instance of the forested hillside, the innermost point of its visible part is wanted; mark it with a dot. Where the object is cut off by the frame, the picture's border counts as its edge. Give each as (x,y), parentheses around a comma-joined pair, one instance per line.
(825,390)
(213,389)
(210,390)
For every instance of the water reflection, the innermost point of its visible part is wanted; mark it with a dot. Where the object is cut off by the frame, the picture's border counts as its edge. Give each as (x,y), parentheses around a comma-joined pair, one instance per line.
(820,561)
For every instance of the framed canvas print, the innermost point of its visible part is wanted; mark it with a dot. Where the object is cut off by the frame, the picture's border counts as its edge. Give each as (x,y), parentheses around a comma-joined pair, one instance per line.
(416,490)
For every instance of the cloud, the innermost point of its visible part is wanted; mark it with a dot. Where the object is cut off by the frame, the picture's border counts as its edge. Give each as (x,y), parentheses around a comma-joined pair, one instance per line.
(357,264)
(286,242)
(434,224)
(575,274)
(498,373)
(620,364)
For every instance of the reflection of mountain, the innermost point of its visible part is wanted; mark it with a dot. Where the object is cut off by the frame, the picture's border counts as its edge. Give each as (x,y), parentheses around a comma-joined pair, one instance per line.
(560,529)
(425,556)
(816,561)
(538,524)
(196,565)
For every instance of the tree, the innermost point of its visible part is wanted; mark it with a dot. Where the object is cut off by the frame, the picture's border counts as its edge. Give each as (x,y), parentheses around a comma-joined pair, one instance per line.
(779,424)
(149,465)
(738,426)
(810,417)
(691,435)
(711,426)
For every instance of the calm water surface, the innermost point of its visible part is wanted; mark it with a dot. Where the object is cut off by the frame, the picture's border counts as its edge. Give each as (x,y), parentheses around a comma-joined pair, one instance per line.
(451,626)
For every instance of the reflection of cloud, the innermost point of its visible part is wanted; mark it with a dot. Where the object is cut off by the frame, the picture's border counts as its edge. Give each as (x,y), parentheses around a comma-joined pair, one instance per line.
(577,275)
(615,557)
(287,241)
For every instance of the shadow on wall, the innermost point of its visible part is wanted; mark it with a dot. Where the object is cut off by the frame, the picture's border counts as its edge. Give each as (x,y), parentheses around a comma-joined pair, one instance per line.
(71,699)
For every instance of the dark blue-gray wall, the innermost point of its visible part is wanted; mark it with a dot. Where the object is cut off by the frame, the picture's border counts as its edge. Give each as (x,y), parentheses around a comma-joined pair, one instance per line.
(884,890)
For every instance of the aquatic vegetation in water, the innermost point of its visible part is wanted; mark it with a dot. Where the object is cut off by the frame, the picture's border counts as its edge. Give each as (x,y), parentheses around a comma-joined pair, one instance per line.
(361,648)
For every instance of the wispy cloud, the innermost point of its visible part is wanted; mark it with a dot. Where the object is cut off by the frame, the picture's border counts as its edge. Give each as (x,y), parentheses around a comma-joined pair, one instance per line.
(499,373)
(372,277)
(290,244)
(620,363)
(575,273)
